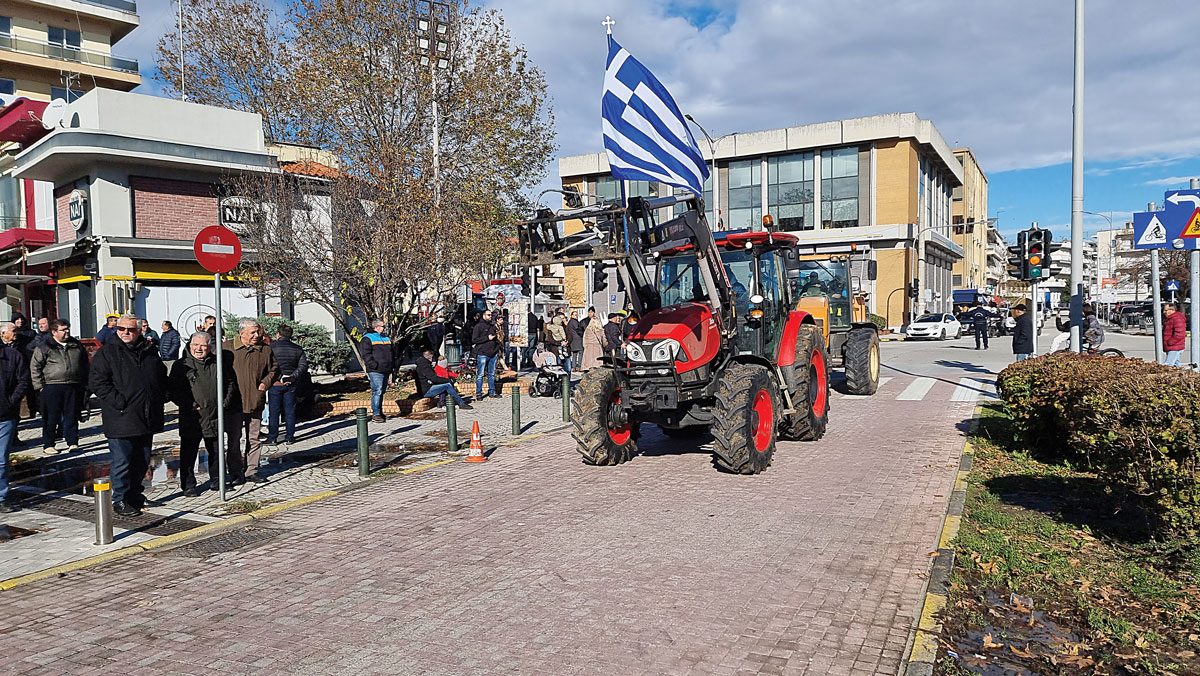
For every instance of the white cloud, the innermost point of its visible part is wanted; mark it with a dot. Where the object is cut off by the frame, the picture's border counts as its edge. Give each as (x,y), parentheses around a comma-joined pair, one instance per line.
(1170,181)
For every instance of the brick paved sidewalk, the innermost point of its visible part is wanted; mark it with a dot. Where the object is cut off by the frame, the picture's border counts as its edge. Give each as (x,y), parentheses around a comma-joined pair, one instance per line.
(534,563)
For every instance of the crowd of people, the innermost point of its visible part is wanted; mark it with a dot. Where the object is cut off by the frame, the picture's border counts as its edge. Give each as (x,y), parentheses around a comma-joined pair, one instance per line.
(134,372)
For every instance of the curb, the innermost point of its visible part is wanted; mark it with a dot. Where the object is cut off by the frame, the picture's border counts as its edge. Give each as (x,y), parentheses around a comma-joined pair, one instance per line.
(215,527)
(923,644)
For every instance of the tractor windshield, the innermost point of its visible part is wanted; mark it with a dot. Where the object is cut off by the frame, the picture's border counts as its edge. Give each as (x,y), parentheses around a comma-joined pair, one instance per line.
(680,281)
(826,278)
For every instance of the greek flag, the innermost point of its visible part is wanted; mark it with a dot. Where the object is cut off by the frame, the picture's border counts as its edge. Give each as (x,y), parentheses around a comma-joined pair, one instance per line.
(644,133)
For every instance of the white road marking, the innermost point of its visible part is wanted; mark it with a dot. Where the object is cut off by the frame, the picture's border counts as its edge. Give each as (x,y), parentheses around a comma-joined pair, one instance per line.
(967,390)
(839,395)
(884,380)
(916,390)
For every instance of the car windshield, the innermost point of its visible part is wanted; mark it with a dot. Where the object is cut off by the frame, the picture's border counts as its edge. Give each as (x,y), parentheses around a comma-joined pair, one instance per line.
(929,319)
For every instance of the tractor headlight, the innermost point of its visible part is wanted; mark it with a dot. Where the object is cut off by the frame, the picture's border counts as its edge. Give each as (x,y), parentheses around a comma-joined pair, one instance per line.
(669,350)
(634,352)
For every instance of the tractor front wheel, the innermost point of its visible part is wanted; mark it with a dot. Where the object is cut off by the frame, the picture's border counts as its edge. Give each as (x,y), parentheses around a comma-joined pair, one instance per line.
(745,418)
(603,438)
(808,380)
(862,361)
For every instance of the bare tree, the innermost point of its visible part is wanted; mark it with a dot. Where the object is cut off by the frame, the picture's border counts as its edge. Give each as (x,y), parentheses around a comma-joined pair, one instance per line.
(385,236)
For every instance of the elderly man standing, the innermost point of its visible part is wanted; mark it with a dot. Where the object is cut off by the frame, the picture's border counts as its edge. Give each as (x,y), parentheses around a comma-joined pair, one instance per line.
(193,386)
(59,371)
(377,355)
(255,368)
(13,384)
(131,383)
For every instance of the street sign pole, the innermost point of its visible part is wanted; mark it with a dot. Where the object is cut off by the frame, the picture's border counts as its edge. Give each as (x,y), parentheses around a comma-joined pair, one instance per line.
(1157,295)
(1037,316)
(220,387)
(1195,291)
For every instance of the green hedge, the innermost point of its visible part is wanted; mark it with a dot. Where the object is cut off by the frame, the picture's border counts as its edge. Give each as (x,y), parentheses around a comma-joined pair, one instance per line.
(324,355)
(1136,424)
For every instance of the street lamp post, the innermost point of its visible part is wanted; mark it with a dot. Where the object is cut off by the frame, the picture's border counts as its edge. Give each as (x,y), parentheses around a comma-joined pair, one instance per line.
(433,48)
(712,153)
(1108,218)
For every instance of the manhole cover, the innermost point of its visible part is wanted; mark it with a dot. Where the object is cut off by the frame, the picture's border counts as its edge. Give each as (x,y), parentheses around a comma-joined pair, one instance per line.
(224,542)
(152,524)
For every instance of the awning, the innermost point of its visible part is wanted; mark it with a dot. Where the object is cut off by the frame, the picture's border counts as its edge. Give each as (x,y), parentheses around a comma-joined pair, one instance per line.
(21,121)
(23,279)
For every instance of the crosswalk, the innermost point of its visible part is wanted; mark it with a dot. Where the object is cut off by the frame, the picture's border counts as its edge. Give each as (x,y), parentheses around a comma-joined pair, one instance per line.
(930,389)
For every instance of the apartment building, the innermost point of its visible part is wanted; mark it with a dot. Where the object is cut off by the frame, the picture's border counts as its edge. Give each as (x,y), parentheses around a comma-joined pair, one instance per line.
(970,231)
(879,188)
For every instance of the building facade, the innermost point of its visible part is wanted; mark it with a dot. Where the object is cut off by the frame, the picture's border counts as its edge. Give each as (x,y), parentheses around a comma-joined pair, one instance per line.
(970,231)
(879,188)
(1057,288)
(134,178)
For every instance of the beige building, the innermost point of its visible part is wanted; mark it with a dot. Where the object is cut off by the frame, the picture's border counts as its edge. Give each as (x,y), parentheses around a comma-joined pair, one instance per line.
(970,202)
(58,49)
(878,188)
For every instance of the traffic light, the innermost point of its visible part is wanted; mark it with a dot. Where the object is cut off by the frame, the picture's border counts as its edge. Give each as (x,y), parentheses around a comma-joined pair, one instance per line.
(1048,268)
(526,283)
(599,276)
(1017,255)
(914,289)
(1037,261)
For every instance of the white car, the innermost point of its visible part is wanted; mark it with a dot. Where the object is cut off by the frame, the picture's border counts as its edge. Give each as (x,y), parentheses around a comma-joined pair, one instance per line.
(936,326)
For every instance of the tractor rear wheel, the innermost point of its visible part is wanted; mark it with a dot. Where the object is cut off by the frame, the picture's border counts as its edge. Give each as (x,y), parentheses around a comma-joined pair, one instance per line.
(862,361)
(600,437)
(808,380)
(746,416)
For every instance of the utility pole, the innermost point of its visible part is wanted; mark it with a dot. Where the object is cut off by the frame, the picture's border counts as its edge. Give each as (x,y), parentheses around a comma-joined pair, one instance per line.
(1155,294)
(1195,292)
(1077,186)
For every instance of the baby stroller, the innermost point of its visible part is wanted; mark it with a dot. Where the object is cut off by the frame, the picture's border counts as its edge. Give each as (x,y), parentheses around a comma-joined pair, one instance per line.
(548,382)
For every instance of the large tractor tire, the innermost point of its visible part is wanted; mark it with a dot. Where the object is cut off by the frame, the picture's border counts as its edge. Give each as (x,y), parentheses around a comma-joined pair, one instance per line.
(599,440)
(746,416)
(862,361)
(808,380)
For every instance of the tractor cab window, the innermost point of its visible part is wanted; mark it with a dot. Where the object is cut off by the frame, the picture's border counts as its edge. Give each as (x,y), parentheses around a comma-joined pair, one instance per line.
(825,278)
(680,281)
(739,266)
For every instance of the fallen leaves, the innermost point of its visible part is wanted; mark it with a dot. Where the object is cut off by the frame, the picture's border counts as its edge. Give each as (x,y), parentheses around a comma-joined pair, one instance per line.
(989,644)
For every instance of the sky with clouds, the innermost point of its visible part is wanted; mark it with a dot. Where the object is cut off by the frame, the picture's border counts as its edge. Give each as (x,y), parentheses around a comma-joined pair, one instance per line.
(995,76)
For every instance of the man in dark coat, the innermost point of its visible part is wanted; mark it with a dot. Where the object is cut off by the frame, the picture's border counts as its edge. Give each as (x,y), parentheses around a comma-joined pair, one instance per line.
(130,381)
(483,339)
(108,330)
(59,372)
(281,398)
(979,317)
(433,385)
(575,339)
(169,342)
(612,335)
(1022,333)
(25,342)
(378,355)
(435,333)
(193,386)
(13,383)
(256,370)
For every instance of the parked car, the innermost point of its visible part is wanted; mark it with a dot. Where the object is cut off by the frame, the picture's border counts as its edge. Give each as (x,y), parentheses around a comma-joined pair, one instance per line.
(935,326)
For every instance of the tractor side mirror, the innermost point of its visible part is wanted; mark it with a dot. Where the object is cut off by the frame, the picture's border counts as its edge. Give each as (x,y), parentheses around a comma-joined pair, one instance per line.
(872,270)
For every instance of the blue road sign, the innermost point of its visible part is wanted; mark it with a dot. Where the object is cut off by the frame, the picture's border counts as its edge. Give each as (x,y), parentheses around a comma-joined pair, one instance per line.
(1172,286)
(1149,231)
(1179,206)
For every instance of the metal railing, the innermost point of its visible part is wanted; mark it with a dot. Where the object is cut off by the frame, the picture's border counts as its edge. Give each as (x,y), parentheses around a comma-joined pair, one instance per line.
(55,51)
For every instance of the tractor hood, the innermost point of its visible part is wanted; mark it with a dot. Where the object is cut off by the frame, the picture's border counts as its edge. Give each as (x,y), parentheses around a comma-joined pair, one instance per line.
(692,325)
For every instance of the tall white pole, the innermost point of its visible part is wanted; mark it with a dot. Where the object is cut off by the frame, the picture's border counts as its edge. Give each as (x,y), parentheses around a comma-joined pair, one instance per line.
(1155,295)
(220,391)
(1077,186)
(437,187)
(1195,291)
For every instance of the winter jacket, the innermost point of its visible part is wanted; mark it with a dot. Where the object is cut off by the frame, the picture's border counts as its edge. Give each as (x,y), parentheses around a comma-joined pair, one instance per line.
(483,339)
(593,345)
(575,334)
(1023,335)
(533,327)
(612,335)
(131,383)
(1093,331)
(253,365)
(193,386)
(57,364)
(1174,332)
(427,375)
(13,383)
(979,317)
(290,357)
(168,345)
(376,351)
(105,333)
(557,333)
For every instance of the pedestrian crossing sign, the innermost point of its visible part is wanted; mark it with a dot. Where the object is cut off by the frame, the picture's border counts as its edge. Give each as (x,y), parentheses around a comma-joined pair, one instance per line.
(1192,229)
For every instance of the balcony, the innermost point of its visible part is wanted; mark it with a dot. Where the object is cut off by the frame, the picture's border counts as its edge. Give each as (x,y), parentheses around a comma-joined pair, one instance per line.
(119,5)
(55,51)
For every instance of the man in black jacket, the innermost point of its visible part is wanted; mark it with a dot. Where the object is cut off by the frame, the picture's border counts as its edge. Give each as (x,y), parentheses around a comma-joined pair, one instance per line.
(1022,333)
(130,380)
(376,350)
(980,316)
(612,335)
(433,385)
(293,364)
(59,372)
(13,383)
(483,339)
(193,386)
(169,342)
(575,339)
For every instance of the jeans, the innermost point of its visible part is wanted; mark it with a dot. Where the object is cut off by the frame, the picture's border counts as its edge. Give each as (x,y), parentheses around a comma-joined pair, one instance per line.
(485,363)
(514,357)
(130,461)
(528,350)
(444,389)
(566,362)
(1023,356)
(6,434)
(1172,357)
(282,396)
(378,386)
(60,412)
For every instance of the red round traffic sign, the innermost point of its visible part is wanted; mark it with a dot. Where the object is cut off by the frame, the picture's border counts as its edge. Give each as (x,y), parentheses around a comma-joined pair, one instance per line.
(500,300)
(218,249)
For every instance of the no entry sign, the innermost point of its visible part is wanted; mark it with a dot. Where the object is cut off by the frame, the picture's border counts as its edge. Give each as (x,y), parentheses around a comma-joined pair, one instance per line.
(218,249)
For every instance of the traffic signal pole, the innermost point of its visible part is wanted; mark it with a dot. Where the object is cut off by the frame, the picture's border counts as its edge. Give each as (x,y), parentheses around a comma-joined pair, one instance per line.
(1195,292)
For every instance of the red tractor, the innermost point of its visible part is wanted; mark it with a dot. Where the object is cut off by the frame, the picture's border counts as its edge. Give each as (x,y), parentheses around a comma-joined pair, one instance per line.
(719,346)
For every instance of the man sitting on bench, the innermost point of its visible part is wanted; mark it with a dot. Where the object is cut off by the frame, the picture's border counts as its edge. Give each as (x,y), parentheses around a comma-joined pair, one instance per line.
(433,385)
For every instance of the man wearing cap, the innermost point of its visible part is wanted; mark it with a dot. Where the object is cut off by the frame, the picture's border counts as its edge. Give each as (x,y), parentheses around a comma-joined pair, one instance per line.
(110,328)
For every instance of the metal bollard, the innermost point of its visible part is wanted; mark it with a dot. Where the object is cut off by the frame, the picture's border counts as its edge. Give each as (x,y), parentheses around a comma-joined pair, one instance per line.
(566,397)
(364,458)
(516,401)
(451,425)
(102,498)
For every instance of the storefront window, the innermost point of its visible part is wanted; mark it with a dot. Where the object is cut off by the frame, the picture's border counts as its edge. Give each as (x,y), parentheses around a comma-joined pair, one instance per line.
(839,188)
(790,191)
(10,203)
(608,189)
(745,194)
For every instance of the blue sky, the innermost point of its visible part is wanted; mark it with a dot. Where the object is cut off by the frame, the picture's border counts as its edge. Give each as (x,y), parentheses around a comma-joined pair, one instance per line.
(992,76)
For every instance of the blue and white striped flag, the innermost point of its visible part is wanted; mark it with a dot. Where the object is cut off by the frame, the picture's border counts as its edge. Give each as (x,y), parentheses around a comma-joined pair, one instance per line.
(644,133)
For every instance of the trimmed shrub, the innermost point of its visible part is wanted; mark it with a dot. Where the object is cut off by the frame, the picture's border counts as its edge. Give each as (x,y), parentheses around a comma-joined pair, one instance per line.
(1135,423)
(324,355)
(879,321)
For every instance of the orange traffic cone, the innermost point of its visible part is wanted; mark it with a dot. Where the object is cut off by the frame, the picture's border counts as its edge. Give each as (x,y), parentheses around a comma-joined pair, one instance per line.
(476,454)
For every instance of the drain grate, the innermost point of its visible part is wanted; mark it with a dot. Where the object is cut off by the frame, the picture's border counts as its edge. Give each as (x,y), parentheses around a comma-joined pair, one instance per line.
(151,524)
(224,542)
